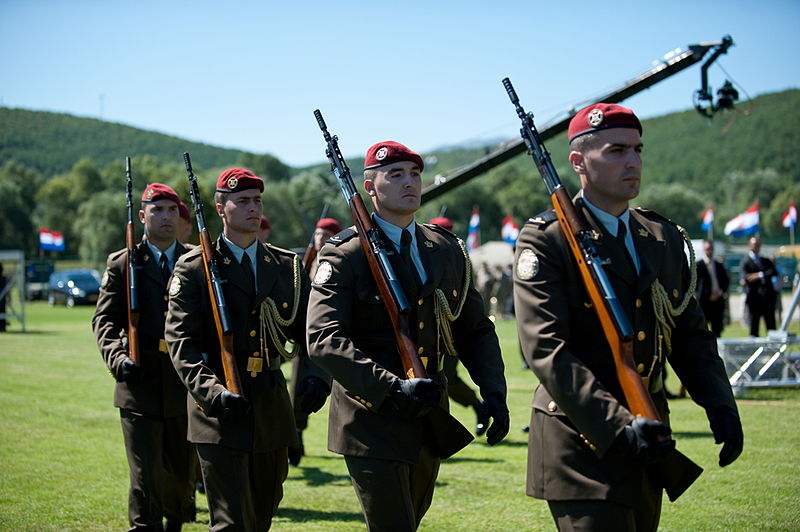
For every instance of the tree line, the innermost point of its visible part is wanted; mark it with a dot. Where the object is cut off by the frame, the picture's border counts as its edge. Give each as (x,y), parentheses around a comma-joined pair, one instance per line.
(689,162)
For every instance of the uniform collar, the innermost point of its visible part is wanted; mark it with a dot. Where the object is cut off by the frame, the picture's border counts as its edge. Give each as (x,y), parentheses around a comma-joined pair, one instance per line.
(169,252)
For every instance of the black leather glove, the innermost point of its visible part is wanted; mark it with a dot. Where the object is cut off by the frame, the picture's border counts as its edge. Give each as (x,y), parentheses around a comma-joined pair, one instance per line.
(647,439)
(414,397)
(128,371)
(312,393)
(229,404)
(727,429)
(498,410)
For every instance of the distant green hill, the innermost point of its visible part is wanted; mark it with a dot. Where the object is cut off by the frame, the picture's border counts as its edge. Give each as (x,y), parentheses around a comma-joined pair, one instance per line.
(53,142)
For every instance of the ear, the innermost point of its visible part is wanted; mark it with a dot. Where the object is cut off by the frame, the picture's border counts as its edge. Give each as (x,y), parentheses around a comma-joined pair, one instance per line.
(577,161)
(369,187)
(219,210)
(141,215)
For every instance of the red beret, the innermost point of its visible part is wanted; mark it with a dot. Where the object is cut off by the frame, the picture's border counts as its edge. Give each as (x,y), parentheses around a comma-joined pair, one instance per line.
(329,224)
(265,223)
(602,116)
(238,179)
(389,152)
(159,191)
(441,221)
(183,211)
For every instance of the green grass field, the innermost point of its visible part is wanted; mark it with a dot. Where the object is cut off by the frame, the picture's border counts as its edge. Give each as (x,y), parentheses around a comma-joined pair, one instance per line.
(62,462)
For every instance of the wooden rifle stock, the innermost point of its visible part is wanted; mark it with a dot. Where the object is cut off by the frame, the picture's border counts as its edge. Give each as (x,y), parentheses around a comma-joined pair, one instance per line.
(676,472)
(130,276)
(449,435)
(214,281)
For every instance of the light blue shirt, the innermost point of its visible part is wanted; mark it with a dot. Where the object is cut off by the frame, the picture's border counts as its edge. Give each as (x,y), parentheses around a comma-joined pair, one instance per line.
(611,223)
(238,253)
(169,252)
(394,233)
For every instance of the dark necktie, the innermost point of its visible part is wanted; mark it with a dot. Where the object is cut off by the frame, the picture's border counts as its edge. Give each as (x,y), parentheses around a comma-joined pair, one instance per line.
(405,255)
(247,266)
(162,263)
(622,229)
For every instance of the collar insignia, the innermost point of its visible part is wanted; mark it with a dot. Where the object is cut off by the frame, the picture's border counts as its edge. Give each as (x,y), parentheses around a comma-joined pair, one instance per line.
(428,244)
(226,260)
(643,233)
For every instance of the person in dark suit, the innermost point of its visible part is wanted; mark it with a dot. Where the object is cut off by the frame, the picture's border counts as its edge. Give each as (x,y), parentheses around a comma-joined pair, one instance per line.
(242,439)
(150,397)
(759,292)
(712,288)
(377,419)
(586,451)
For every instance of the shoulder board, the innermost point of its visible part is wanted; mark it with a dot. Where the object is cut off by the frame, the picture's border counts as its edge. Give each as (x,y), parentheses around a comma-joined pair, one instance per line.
(542,219)
(276,249)
(117,254)
(652,215)
(342,236)
(440,229)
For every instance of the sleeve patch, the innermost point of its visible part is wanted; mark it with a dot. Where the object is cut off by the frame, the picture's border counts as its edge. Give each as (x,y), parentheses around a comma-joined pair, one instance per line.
(527,265)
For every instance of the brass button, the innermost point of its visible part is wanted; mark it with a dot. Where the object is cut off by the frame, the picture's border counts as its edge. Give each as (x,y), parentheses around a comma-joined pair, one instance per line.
(675,293)
(640,368)
(455,293)
(641,336)
(285,304)
(253,312)
(421,325)
(256,353)
(592,446)
(369,405)
(420,350)
(165,314)
(552,406)
(420,302)
(166,297)
(638,303)
(377,297)
(252,334)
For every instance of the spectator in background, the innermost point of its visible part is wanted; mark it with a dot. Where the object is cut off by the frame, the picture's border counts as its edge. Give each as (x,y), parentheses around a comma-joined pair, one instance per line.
(756,279)
(712,288)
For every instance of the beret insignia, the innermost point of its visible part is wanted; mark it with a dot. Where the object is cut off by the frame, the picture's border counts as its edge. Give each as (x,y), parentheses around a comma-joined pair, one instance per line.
(232,182)
(175,286)
(382,153)
(149,194)
(527,265)
(324,272)
(595,117)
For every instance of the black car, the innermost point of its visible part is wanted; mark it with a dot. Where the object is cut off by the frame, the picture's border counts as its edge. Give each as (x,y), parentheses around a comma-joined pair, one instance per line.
(74,287)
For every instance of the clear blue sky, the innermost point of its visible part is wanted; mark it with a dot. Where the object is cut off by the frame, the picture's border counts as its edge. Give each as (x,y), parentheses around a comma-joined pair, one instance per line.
(248,74)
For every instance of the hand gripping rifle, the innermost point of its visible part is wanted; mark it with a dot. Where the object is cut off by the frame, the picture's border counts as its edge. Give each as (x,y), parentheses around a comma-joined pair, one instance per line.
(220,310)
(449,434)
(133,291)
(676,472)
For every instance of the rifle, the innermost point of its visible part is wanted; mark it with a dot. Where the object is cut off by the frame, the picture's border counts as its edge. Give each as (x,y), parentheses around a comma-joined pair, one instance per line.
(311,251)
(449,434)
(676,471)
(222,319)
(133,291)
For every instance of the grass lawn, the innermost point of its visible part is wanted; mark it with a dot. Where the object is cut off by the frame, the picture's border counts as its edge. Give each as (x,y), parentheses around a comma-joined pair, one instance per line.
(62,461)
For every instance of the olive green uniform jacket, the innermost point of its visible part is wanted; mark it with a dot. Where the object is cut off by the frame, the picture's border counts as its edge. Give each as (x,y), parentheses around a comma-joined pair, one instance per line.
(159,392)
(578,407)
(351,337)
(193,344)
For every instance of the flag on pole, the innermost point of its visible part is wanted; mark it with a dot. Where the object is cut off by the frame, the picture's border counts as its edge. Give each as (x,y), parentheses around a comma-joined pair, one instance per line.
(509,230)
(789,218)
(744,224)
(707,218)
(474,233)
(51,240)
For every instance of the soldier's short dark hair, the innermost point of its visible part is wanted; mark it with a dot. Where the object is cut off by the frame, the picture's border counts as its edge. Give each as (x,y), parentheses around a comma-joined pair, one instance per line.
(220,197)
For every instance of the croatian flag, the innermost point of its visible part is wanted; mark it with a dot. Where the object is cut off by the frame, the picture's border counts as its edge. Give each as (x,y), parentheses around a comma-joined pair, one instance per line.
(744,224)
(789,218)
(510,230)
(707,218)
(51,240)
(474,233)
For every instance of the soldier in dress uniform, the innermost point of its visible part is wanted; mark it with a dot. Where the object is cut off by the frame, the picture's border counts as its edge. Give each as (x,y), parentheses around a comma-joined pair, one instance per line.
(325,228)
(377,418)
(241,439)
(586,451)
(150,397)
(184,223)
